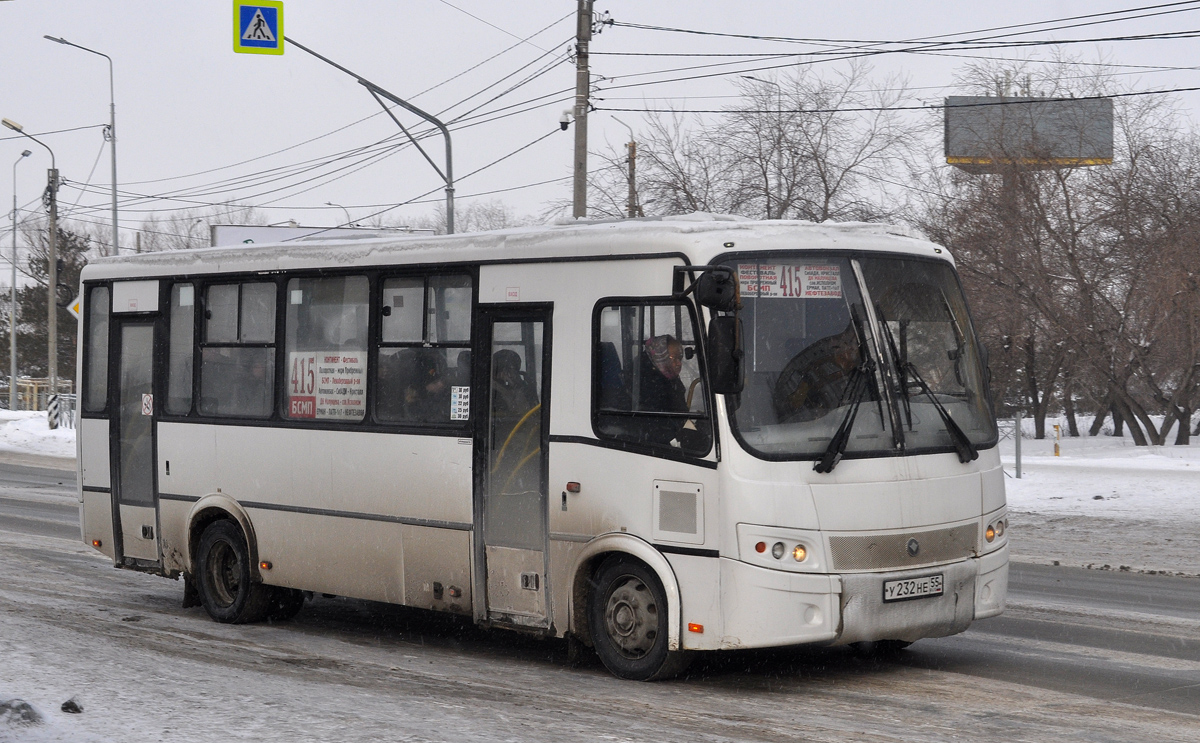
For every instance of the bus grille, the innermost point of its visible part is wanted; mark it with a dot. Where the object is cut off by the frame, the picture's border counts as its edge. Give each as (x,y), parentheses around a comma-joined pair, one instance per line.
(882,551)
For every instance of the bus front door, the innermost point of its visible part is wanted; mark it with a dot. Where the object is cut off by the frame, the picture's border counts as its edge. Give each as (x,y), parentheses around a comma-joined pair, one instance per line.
(133,443)
(510,488)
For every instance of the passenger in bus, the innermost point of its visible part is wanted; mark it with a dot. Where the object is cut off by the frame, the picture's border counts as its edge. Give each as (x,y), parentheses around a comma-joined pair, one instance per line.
(462,369)
(427,395)
(662,391)
(253,391)
(512,394)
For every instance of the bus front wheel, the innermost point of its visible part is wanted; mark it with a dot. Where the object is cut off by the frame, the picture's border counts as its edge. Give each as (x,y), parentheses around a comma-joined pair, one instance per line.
(227,591)
(629,621)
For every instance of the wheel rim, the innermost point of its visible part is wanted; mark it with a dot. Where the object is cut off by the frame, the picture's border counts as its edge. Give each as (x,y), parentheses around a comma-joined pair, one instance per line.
(224,574)
(631,617)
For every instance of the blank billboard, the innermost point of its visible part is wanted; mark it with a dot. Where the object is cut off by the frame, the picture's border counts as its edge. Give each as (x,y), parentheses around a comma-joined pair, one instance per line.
(985,134)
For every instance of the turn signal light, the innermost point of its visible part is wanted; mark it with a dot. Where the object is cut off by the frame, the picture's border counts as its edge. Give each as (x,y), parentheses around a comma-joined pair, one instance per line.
(799,553)
(96,543)
(990,534)
(265,565)
(760,547)
(697,628)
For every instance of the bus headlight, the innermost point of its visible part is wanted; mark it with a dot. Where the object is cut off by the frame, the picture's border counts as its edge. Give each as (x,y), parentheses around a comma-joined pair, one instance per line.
(990,534)
(781,548)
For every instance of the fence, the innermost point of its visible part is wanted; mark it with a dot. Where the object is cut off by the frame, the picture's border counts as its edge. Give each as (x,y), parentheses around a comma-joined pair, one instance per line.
(60,410)
(1011,429)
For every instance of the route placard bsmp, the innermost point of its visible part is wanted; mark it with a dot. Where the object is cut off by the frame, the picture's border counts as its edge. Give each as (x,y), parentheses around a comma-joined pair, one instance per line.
(258,26)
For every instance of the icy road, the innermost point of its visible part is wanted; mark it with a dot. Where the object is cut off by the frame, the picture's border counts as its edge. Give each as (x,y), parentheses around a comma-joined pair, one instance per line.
(1080,656)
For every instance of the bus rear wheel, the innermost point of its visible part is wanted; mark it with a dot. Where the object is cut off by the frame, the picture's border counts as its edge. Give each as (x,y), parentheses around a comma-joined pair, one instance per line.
(629,622)
(227,590)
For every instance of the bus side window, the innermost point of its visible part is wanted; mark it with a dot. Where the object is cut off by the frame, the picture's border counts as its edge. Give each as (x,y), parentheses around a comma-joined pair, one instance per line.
(237,357)
(647,384)
(179,364)
(96,390)
(326,349)
(423,353)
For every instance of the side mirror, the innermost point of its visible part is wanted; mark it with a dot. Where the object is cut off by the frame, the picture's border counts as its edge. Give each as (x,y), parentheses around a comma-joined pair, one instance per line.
(717,290)
(725,355)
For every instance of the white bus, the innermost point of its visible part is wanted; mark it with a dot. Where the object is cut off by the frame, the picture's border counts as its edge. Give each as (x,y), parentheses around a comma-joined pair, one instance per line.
(651,437)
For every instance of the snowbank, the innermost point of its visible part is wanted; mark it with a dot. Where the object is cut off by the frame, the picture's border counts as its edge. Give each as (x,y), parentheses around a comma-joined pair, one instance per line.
(28,432)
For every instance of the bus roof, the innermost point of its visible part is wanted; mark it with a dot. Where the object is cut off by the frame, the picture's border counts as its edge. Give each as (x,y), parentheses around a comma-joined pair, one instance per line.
(700,237)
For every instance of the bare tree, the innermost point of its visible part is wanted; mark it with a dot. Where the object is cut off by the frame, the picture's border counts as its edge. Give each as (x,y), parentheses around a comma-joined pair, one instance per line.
(802,146)
(474,216)
(190,228)
(1100,260)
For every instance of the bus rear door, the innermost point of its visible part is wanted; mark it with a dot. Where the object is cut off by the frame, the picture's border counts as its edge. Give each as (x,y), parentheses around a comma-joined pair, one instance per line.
(135,310)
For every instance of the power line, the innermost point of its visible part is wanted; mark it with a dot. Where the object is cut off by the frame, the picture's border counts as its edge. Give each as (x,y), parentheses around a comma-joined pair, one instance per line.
(55,131)
(363,119)
(489,23)
(801,40)
(855,109)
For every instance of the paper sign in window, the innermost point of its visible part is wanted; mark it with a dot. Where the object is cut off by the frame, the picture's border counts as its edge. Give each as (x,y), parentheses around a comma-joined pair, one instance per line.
(327,385)
(803,281)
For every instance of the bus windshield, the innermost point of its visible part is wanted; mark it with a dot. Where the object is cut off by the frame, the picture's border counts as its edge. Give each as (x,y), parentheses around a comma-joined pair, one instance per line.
(828,374)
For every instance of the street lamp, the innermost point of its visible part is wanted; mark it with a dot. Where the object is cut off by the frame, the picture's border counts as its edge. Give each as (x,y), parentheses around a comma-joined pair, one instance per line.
(112,135)
(349,222)
(52,259)
(12,313)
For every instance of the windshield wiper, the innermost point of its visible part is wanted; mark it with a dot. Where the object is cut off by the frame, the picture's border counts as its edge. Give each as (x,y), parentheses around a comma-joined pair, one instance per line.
(856,390)
(962,443)
(862,377)
(900,363)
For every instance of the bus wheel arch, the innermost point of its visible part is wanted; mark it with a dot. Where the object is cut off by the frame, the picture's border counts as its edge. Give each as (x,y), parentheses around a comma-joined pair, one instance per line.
(592,561)
(214,507)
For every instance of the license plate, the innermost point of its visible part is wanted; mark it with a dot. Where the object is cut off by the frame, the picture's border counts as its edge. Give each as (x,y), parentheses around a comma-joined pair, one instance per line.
(913,588)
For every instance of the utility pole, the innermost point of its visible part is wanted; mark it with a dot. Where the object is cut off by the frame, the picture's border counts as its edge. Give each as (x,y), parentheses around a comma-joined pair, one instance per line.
(583,35)
(634,210)
(52,262)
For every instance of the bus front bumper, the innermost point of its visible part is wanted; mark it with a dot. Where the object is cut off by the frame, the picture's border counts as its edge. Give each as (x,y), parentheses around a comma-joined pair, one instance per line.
(768,608)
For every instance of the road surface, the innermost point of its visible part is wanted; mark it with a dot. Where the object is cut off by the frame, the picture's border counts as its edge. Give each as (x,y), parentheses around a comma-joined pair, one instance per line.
(1080,655)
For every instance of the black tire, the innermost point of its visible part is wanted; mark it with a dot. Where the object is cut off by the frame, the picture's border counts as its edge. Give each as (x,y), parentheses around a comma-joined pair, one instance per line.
(285,603)
(226,588)
(880,648)
(629,621)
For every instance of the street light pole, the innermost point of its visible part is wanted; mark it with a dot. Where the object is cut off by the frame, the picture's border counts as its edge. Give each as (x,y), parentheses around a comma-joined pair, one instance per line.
(112,135)
(379,93)
(12,306)
(51,263)
(349,222)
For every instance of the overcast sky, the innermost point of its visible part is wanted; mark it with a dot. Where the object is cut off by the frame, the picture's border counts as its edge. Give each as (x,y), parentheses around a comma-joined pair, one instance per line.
(199,122)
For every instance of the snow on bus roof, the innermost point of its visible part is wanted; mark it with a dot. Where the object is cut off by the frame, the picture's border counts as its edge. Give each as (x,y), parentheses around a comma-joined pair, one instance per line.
(701,237)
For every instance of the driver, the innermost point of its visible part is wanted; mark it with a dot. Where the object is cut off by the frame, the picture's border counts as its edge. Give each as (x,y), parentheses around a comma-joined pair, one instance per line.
(814,381)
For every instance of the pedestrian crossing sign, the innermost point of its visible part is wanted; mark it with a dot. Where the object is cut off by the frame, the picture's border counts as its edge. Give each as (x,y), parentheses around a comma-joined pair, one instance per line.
(258,26)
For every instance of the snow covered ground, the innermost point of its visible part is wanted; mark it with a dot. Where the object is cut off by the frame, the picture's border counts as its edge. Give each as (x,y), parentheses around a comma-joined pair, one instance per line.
(1104,503)
(27,432)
